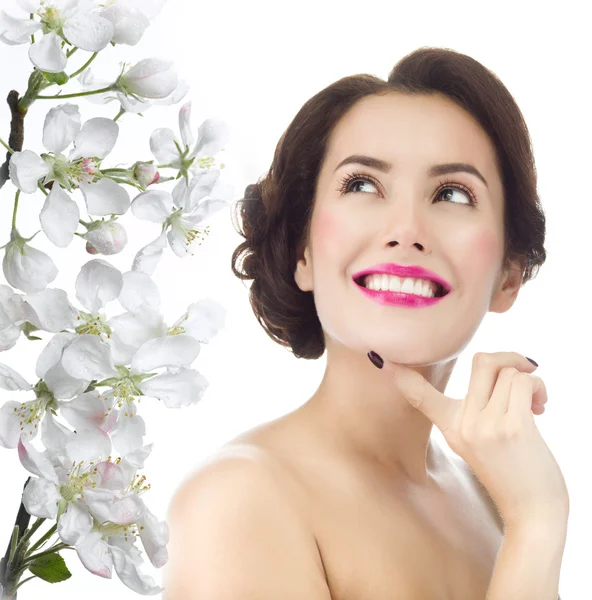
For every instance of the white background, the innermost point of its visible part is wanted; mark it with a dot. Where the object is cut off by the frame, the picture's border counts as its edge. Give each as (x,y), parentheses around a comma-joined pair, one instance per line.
(254,64)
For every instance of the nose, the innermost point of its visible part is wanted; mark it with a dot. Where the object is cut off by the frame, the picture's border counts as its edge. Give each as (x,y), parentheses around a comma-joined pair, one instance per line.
(404,225)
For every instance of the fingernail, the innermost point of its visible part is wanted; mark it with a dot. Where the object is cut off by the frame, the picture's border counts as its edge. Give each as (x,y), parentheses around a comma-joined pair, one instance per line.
(536,364)
(376,360)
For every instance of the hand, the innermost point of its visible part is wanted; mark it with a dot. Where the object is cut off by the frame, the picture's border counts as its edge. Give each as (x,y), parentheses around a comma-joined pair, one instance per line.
(493,430)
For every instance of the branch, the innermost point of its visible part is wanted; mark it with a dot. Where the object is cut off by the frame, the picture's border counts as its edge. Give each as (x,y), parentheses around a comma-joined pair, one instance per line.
(17,132)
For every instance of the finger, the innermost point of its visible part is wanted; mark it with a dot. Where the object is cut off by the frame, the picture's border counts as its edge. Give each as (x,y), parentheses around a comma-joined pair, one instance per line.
(498,404)
(437,407)
(521,395)
(484,373)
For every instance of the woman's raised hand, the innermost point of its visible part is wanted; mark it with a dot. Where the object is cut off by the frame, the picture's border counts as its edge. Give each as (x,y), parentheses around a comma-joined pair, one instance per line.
(493,430)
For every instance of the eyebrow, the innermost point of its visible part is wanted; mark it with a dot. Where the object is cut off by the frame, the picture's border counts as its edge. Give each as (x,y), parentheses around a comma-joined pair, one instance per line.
(385,167)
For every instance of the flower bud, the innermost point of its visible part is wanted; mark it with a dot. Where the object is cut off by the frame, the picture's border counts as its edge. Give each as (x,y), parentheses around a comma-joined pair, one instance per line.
(108,237)
(145,173)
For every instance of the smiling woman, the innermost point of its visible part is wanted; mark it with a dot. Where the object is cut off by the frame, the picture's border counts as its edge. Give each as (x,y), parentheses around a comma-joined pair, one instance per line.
(395,215)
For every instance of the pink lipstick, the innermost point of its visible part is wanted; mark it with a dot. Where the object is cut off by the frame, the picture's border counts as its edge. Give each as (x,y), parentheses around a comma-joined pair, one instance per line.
(402,298)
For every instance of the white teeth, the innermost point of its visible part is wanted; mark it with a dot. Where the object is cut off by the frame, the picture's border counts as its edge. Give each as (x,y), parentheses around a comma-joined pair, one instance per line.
(407,285)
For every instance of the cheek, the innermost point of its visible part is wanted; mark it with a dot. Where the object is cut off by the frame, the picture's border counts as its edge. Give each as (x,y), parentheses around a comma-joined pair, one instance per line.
(482,250)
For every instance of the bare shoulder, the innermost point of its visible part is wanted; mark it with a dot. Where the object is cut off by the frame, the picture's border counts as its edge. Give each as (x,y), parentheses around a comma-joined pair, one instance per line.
(237,532)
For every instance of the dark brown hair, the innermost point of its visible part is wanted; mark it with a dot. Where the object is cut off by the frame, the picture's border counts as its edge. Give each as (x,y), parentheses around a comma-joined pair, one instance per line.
(276,211)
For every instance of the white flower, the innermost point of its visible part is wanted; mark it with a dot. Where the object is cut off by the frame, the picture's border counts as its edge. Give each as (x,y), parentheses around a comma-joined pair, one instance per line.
(213,135)
(97,505)
(107,237)
(129,104)
(25,267)
(92,142)
(179,212)
(75,22)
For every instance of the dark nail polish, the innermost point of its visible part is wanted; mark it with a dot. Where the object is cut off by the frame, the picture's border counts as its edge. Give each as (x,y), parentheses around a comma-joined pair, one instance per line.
(376,360)
(536,364)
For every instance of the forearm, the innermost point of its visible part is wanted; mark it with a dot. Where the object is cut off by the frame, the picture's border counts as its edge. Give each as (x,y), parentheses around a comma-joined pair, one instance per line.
(529,563)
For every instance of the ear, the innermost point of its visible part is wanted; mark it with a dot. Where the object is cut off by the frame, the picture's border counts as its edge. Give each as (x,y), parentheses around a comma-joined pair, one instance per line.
(508,287)
(303,273)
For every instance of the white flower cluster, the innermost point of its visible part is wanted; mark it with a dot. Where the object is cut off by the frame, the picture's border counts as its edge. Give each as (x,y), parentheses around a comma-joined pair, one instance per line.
(93,371)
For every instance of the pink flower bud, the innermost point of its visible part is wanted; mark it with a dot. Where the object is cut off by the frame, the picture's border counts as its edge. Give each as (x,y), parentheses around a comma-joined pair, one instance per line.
(146,174)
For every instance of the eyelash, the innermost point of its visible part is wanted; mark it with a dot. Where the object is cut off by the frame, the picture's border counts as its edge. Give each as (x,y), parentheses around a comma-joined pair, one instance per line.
(448,184)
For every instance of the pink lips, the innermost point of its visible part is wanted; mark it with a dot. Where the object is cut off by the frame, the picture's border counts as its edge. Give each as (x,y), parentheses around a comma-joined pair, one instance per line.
(400,298)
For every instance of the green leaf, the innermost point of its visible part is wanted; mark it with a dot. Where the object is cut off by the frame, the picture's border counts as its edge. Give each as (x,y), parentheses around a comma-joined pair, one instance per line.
(57,78)
(50,567)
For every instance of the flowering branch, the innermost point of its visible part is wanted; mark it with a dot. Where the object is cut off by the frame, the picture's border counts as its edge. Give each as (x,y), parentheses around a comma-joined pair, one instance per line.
(94,371)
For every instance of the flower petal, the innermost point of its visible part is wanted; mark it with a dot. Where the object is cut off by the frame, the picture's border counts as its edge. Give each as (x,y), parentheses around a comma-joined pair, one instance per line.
(151,78)
(148,257)
(212,135)
(47,54)
(95,139)
(10,429)
(88,445)
(176,389)
(36,462)
(88,357)
(169,351)
(138,292)
(185,125)
(52,353)
(105,197)
(107,505)
(85,411)
(162,145)
(152,205)
(98,283)
(155,536)
(128,22)
(59,217)
(131,428)
(41,497)
(61,125)
(26,168)
(88,31)
(95,555)
(109,476)
(131,576)
(14,31)
(50,310)
(74,524)
(11,380)
(131,330)
(54,435)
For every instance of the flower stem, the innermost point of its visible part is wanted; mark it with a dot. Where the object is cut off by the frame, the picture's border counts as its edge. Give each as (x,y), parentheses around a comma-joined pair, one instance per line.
(76,95)
(6,146)
(42,189)
(51,550)
(24,581)
(16,199)
(84,65)
(121,112)
(41,541)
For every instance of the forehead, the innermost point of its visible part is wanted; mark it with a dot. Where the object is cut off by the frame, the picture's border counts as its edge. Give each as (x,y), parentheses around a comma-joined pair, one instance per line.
(413,131)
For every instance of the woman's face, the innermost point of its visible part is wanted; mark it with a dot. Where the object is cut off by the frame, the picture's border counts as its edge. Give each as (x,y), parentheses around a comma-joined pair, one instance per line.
(410,217)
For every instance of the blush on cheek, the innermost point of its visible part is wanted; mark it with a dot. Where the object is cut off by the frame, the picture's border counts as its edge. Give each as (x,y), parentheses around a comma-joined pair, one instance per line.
(483,250)
(327,229)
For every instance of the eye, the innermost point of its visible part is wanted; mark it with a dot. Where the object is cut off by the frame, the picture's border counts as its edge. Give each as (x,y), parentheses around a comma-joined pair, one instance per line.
(348,182)
(451,186)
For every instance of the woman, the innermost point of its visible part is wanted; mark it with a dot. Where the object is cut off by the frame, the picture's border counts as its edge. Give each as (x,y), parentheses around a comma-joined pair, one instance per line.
(348,497)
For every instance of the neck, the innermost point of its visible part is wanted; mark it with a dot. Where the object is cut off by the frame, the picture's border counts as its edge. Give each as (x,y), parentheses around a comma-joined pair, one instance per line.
(361,414)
